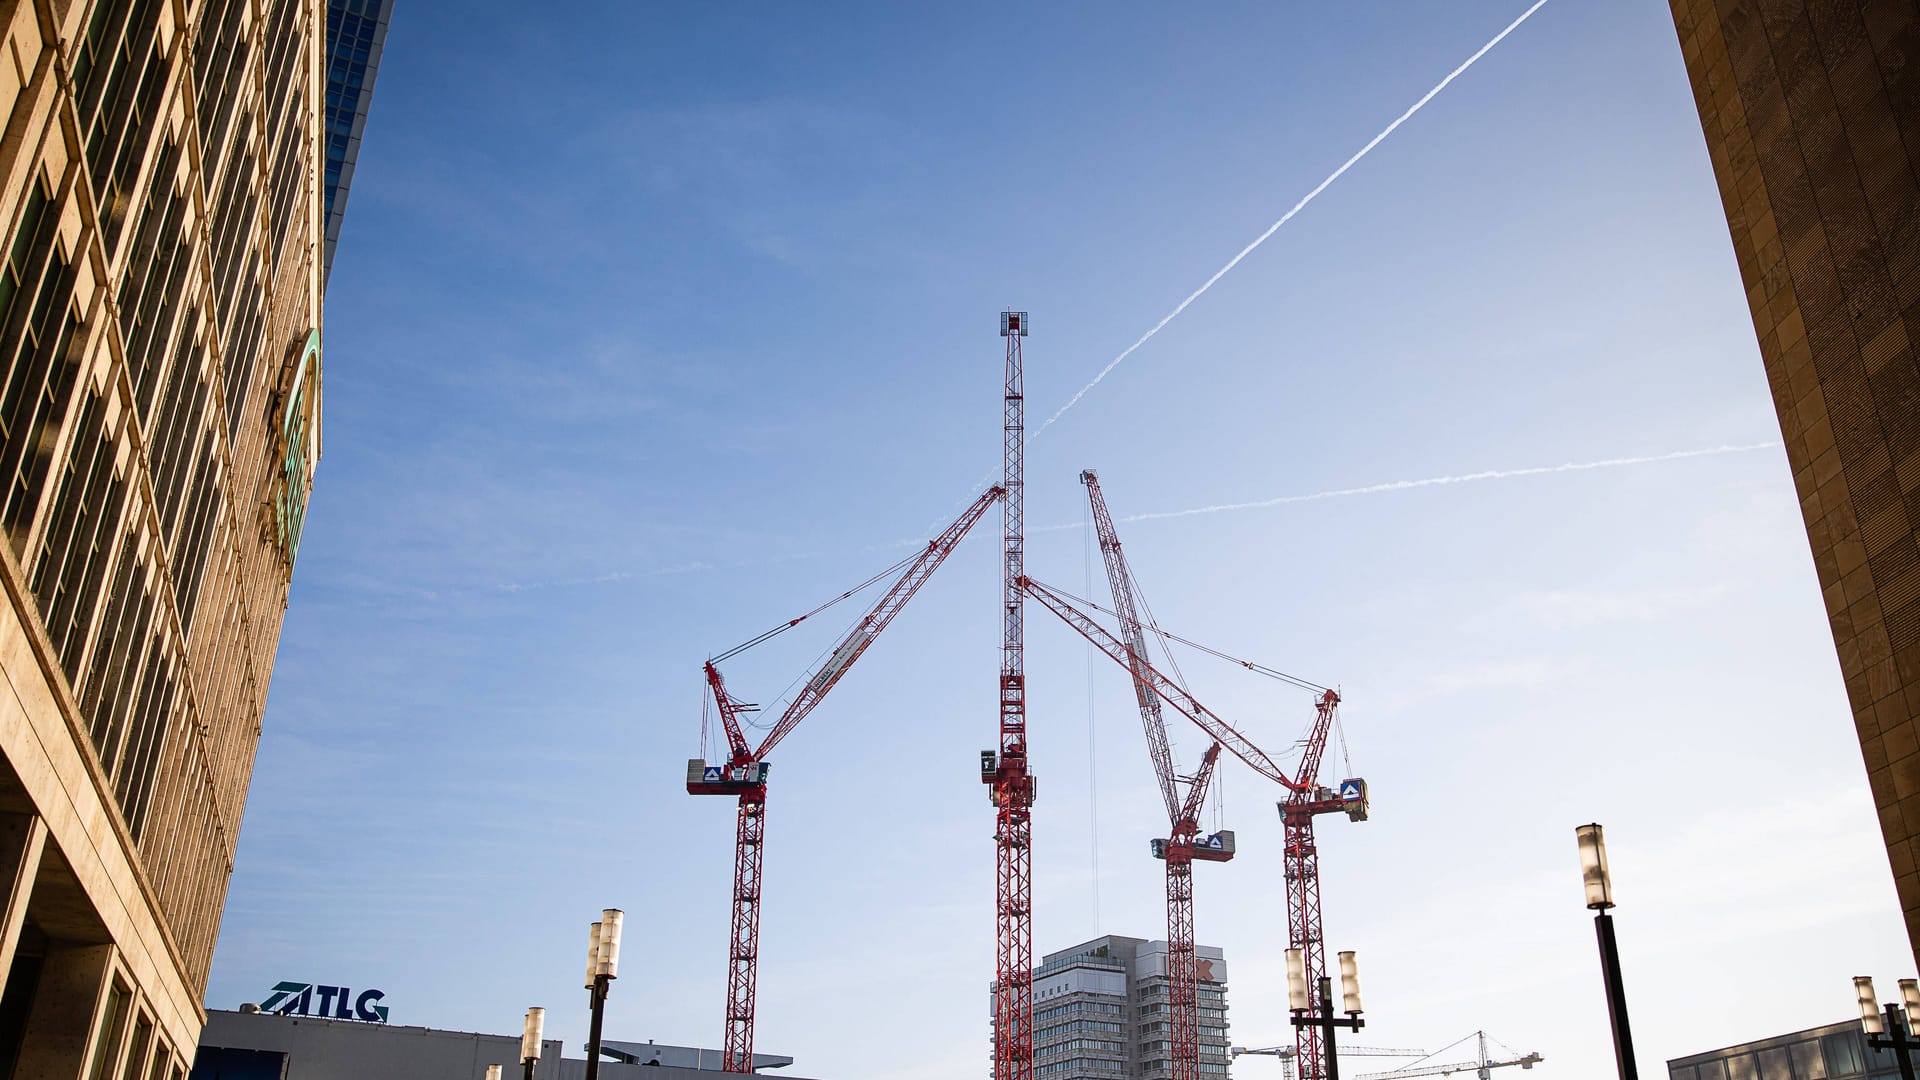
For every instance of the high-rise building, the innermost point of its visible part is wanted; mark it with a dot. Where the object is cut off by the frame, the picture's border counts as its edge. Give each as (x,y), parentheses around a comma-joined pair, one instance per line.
(1101,1011)
(356,35)
(161,221)
(1812,120)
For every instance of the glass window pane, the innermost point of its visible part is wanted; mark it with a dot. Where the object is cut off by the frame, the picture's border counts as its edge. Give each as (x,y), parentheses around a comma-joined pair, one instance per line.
(1807,1063)
(1683,1072)
(1843,1055)
(137,1054)
(1713,1070)
(106,1037)
(1740,1067)
(1773,1065)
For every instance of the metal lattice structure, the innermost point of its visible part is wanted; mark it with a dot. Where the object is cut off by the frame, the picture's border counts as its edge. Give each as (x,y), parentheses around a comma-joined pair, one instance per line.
(1306,799)
(1004,769)
(745,773)
(1179,849)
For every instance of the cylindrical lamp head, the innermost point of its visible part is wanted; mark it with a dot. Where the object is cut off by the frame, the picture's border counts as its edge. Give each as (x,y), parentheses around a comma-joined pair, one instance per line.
(531,1037)
(1593,867)
(609,924)
(1297,981)
(1910,993)
(593,954)
(493,1072)
(1350,984)
(1869,1005)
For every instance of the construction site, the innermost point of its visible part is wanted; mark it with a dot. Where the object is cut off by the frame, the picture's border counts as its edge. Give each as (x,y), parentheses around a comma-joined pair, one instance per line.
(1155,1034)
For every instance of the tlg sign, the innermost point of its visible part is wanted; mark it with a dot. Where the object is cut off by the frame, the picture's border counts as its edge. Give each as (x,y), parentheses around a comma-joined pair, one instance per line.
(335,1002)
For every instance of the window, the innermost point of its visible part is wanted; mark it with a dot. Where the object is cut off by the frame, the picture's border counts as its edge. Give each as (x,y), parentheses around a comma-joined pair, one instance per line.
(137,1054)
(1807,1064)
(1843,1055)
(106,1037)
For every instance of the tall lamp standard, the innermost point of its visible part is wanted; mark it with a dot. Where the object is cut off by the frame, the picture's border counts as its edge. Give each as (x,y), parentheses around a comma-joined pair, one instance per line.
(1895,1032)
(1303,1010)
(530,1039)
(1593,870)
(603,966)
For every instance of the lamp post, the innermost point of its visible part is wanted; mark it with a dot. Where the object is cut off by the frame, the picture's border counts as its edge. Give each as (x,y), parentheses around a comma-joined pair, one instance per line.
(1593,870)
(603,966)
(1895,1031)
(1304,1010)
(530,1039)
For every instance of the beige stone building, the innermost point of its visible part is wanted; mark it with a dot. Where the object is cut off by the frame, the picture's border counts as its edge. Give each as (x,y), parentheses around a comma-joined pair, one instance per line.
(1812,117)
(161,225)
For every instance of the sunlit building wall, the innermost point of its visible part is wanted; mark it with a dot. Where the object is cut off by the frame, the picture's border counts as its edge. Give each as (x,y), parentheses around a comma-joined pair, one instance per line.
(161,222)
(1812,118)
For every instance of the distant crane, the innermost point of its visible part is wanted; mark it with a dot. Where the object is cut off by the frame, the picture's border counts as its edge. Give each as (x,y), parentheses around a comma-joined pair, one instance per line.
(1482,1066)
(744,774)
(1183,843)
(1306,798)
(1286,1054)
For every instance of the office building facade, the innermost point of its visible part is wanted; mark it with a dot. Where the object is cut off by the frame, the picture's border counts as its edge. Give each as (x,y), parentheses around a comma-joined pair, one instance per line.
(1834,1052)
(1101,1011)
(1812,119)
(161,220)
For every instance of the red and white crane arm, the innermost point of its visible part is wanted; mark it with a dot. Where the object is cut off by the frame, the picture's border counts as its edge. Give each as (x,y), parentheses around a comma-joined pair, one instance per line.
(1166,688)
(870,625)
(1120,583)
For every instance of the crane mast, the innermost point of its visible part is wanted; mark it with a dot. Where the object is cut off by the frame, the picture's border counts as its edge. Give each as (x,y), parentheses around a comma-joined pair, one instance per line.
(1182,845)
(1004,768)
(745,773)
(1306,800)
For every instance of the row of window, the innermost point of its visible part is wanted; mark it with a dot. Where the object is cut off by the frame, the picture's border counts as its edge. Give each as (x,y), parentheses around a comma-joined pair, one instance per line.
(1052,1030)
(127,1044)
(141,579)
(1840,1056)
(1094,1008)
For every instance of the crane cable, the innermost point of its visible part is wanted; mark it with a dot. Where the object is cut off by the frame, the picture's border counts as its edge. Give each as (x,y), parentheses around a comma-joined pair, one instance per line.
(1256,668)
(790,624)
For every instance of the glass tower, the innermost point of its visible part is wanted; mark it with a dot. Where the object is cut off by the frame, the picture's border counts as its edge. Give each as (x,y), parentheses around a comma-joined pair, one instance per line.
(356,34)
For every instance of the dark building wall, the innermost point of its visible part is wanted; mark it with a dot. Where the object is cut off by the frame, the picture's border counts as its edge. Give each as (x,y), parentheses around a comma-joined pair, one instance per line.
(1811,110)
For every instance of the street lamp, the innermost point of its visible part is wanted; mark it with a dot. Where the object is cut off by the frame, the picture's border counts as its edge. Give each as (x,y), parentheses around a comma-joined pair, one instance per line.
(603,966)
(493,1072)
(1593,871)
(530,1038)
(1895,1031)
(1303,1011)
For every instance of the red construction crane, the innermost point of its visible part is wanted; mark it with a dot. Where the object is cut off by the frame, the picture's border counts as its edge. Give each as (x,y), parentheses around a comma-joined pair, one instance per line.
(1183,843)
(1004,768)
(1306,799)
(745,773)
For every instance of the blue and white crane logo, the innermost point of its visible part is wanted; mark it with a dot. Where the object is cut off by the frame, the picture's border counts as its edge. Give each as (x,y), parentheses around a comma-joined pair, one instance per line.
(1352,791)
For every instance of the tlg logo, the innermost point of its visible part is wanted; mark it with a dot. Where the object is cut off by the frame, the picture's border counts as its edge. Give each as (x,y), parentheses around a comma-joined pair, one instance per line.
(336,1002)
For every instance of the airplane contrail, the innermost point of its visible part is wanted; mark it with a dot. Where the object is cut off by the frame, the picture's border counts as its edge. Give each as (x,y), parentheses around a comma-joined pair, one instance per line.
(1288,216)
(1439,481)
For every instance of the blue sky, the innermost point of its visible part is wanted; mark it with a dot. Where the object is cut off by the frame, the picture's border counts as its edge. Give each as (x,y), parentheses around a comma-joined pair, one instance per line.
(655,325)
